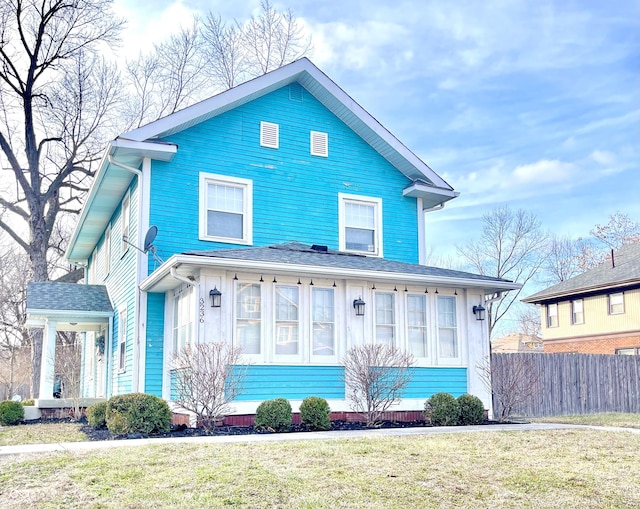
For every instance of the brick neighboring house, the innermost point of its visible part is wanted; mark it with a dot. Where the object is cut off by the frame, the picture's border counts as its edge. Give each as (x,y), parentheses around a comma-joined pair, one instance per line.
(597,311)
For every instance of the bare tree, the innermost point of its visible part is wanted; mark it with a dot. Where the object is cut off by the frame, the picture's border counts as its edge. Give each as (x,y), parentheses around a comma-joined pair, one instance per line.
(224,51)
(511,246)
(57,95)
(529,321)
(375,377)
(207,378)
(619,231)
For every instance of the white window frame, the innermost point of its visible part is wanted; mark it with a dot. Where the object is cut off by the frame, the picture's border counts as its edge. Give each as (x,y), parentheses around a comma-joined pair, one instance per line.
(610,302)
(376,203)
(319,144)
(107,250)
(550,322)
(261,354)
(334,323)
(442,359)
(577,312)
(247,207)
(265,127)
(424,328)
(284,323)
(184,305)
(125,221)
(122,340)
(392,325)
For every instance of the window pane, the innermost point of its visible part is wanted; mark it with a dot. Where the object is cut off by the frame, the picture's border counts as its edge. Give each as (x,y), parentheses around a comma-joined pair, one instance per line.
(417,325)
(248,314)
(225,198)
(359,215)
(418,341)
(248,302)
(224,224)
(360,240)
(323,322)
(287,320)
(323,338)
(249,336)
(447,327)
(385,318)
(448,343)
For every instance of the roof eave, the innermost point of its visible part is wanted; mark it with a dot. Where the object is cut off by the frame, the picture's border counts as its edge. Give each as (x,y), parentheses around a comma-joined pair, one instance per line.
(618,285)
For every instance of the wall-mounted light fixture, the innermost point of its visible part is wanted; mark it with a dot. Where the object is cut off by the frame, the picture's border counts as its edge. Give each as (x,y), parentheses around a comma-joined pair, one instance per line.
(479,312)
(216,297)
(358,305)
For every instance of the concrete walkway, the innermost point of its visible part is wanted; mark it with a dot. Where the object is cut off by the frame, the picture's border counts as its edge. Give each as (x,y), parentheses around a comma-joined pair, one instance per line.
(288,437)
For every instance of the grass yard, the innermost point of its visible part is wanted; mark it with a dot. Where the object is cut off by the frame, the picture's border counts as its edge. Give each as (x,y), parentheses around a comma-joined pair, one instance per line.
(610,419)
(544,469)
(48,433)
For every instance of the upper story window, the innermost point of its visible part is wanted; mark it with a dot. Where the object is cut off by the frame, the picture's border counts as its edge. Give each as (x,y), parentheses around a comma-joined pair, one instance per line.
(385,318)
(552,315)
(125,217)
(628,351)
(616,303)
(319,144)
(448,346)
(417,324)
(287,307)
(249,318)
(269,135)
(577,312)
(226,209)
(360,223)
(183,318)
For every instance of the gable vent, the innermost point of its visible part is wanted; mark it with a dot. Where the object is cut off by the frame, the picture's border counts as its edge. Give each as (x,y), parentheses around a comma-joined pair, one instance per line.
(319,144)
(295,92)
(269,134)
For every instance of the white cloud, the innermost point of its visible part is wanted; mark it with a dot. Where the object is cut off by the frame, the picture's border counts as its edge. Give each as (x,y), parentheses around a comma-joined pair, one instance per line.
(545,171)
(603,157)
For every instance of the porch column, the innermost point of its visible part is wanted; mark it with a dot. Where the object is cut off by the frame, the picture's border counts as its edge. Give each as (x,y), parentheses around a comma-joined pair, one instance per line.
(47,370)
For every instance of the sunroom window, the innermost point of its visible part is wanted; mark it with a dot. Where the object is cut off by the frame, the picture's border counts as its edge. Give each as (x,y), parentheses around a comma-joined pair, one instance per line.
(323,318)
(183,311)
(447,327)
(287,306)
(417,324)
(248,318)
(385,318)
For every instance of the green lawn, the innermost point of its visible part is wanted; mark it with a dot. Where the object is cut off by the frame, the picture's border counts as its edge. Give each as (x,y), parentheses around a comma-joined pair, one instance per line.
(524,469)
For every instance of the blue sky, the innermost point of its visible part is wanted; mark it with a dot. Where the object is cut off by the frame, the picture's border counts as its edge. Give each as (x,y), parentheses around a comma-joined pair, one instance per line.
(531,104)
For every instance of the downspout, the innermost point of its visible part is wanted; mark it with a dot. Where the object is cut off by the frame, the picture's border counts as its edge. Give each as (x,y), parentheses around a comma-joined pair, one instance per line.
(174,274)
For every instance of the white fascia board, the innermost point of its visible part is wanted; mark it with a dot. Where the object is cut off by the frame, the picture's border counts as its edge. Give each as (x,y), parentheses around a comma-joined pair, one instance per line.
(318,271)
(66,314)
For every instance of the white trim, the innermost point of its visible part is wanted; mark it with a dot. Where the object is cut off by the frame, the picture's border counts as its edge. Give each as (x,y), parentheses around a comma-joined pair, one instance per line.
(319,143)
(376,203)
(107,251)
(126,199)
(247,207)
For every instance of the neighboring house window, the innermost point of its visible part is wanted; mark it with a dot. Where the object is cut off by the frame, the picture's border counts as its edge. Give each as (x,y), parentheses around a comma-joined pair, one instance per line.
(248,318)
(447,327)
(360,222)
(577,312)
(628,351)
(385,318)
(616,303)
(323,317)
(122,339)
(552,315)
(319,144)
(183,317)
(417,325)
(287,320)
(107,250)
(126,212)
(226,209)
(269,135)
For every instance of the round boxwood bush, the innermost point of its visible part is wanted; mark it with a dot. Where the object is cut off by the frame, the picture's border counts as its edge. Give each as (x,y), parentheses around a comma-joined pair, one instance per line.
(137,413)
(11,412)
(274,414)
(314,413)
(97,415)
(471,410)
(442,409)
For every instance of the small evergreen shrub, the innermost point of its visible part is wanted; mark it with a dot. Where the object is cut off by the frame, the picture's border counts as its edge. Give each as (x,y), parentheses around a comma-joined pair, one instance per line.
(11,412)
(442,409)
(28,402)
(314,413)
(471,410)
(137,413)
(274,414)
(97,415)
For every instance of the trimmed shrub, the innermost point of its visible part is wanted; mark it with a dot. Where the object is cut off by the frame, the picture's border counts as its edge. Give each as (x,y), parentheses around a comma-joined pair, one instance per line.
(442,409)
(274,414)
(97,415)
(471,410)
(137,413)
(28,402)
(314,413)
(11,412)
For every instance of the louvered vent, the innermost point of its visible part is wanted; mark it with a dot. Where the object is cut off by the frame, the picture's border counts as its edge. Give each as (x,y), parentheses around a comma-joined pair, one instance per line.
(269,134)
(319,144)
(295,92)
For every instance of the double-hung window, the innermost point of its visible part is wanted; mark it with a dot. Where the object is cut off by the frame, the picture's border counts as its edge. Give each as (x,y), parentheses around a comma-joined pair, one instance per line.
(122,339)
(225,209)
(417,324)
(577,312)
(616,303)
(323,340)
(183,318)
(552,315)
(249,318)
(287,313)
(447,328)
(360,223)
(385,318)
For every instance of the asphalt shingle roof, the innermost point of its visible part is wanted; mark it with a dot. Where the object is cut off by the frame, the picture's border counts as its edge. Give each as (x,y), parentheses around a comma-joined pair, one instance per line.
(625,271)
(50,295)
(296,253)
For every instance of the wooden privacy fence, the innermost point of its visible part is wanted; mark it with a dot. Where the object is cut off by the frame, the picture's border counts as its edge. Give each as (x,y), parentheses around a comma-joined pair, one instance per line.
(564,383)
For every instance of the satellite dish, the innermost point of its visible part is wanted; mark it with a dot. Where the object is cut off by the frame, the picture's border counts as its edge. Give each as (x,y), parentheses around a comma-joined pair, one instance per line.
(150,237)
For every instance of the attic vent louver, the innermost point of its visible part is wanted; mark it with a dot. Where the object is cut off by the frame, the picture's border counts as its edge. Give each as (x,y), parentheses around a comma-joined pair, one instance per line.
(269,134)
(295,92)
(319,144)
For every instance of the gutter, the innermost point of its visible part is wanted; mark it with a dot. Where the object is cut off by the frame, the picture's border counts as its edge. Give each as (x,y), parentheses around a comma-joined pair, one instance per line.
(175,275)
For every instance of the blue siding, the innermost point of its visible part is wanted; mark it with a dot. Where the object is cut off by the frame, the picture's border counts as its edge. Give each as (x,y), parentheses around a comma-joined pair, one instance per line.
(154,343)
(295,195)
(428,381)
